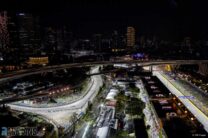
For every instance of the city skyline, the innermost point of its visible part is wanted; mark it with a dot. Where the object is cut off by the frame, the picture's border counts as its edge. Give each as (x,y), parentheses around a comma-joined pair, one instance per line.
(104,69)
(168,19)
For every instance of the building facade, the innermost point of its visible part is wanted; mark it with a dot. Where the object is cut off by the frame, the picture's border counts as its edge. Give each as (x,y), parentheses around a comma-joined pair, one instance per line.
(4,35)
(130,36)
(24,30)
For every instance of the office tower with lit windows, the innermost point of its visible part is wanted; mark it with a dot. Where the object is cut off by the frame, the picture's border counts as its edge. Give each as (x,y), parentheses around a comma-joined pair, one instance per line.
(28,28)
(24,31)
(130,36)
(4,35)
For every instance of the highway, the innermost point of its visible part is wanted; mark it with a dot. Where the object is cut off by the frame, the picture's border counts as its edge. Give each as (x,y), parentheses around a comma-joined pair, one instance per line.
(27,72)
(203,119)
(58,112)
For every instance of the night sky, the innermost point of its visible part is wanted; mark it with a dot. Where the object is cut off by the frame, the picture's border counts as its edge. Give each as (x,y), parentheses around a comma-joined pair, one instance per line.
(168,19)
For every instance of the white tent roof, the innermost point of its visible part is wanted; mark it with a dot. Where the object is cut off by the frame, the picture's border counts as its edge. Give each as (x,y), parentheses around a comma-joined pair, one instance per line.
(102,132)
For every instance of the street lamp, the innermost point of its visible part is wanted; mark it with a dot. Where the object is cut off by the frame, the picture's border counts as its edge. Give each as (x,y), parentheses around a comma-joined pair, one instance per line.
(44,128)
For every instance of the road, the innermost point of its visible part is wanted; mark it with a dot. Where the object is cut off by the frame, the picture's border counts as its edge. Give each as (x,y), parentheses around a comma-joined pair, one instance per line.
(203,119)
(152,118)
(58,112)
(43,93)
(27,72)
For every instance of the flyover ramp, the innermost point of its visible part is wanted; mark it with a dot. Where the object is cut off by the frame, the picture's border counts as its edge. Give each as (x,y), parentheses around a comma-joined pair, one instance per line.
(27,72)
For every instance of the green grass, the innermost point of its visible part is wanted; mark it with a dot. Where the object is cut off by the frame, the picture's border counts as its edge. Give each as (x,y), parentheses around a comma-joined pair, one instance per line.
(160,134)
(134,90)
(121,134)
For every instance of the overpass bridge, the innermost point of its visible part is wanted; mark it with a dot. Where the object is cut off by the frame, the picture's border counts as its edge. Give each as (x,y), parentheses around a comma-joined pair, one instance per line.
(27,72)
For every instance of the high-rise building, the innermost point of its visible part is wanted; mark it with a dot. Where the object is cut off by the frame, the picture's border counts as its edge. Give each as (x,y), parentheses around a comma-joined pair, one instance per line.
(68,38)
(29,30)
(187,42)
(4,35)
(130,36)
(24,30)
(64,38)
(96,42)
(106,45)
(57,39)
(118,41)
(115,40)
(50,40)
(13,31)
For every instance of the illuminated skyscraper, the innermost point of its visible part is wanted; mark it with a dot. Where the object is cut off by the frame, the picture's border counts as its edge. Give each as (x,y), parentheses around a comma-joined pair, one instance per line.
(28,27)
(130,36)
(4,35)
(24,32)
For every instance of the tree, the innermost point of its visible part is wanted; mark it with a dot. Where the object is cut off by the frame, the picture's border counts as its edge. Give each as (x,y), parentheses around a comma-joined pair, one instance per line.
(135,107)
